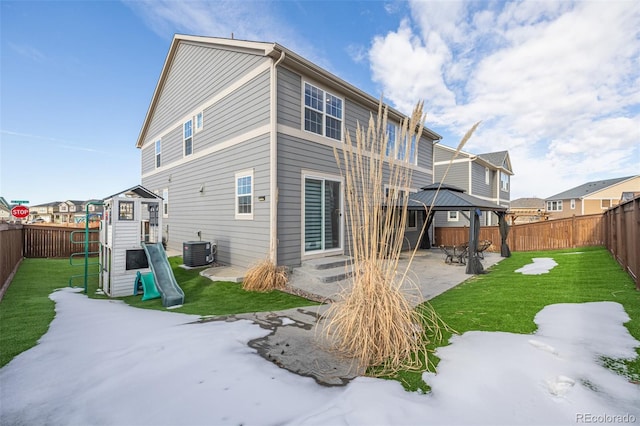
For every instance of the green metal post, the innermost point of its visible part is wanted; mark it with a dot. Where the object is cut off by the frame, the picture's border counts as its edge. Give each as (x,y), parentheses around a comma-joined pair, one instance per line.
(86,244)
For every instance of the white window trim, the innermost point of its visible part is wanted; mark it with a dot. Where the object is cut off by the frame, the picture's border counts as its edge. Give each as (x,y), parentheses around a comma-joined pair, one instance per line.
(454,219)
(396,145)
(602,206)
(323,112)
(415,227)
(184,139)
(165,202)
(504,184)
(197,128)
(244,216)
(573,204)
(558,206)
(157,153)
(486,175)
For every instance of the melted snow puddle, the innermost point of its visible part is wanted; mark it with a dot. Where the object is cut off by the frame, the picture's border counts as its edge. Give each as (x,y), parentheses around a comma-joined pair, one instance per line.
(540,265)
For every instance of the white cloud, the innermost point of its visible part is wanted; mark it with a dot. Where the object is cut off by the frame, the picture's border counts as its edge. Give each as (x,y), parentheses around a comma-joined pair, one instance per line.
(556,83)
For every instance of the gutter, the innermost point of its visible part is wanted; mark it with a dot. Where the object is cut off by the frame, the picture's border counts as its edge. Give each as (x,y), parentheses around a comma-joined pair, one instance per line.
(273,160)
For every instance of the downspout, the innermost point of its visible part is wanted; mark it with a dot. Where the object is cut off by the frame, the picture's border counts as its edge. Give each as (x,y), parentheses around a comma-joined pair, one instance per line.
(273,168)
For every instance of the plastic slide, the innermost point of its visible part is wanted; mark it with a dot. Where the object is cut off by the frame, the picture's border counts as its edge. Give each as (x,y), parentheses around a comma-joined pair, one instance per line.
(171,293)
(148,284)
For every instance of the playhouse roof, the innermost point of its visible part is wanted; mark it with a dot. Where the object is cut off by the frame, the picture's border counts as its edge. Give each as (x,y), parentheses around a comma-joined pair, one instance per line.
(137,191)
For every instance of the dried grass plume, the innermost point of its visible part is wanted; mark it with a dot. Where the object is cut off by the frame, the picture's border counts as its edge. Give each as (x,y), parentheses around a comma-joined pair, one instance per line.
(265,276)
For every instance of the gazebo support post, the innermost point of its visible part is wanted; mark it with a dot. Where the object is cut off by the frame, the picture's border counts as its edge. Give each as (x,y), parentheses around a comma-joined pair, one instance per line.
(474,266)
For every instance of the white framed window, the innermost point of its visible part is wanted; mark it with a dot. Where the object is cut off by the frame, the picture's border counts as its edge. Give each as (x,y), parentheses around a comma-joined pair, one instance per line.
(573,204)
(605,204)
(392,132)
(323,112)
(64,208)
(126,210)
(412,220)
(198,122)
(504,181)
(158,152)
(187,135)
(452,216)
(244,195)
(165,202)
(398,149)
(554,206)
(487,174)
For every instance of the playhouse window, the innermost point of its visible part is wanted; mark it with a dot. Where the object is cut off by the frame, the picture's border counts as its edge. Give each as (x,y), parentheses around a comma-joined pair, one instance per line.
(125,211)
(165,202)
(453,216)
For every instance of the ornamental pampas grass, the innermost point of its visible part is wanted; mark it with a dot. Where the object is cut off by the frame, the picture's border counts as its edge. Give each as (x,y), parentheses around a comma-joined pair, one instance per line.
(265,276)
(373,322)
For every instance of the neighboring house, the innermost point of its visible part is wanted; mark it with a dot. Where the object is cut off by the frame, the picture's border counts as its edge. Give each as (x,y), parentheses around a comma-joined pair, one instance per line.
(486,176)
(239,142)
(527,210)
(591,197)
(5,210)
(46,212)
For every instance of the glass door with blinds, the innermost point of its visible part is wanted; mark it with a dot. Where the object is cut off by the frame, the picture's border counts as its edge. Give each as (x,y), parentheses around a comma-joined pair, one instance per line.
(322,215)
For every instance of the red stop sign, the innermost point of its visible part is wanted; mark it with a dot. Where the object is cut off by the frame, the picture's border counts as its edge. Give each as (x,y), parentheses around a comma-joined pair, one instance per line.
(20,212)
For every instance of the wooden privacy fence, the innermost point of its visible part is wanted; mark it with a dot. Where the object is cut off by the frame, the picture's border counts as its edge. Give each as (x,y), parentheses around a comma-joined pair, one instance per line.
(622,236)
(576,231)
(52,241)
(11,248)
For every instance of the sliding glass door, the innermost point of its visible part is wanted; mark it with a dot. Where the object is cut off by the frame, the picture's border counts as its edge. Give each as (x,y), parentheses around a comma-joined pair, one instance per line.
(322,215)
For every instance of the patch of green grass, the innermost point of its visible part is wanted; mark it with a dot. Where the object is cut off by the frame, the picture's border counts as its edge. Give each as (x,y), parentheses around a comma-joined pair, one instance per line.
(205,297)
(26,310)
(504,300)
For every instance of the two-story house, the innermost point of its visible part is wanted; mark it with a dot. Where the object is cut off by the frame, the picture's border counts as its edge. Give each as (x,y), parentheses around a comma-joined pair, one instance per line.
(591,197)
(485,176)
(239,141)
(45,212)
(5,210)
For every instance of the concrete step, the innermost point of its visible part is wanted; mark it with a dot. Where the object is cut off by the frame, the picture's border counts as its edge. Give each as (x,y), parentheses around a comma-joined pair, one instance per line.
(328,262)
(338,271)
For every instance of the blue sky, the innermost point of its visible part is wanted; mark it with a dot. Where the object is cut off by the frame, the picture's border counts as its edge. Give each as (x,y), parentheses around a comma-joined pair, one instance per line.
(555,83)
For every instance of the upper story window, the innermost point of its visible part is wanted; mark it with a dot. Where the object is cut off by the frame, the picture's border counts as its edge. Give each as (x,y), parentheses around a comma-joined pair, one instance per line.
(605,204)
(64,208)
(487,175)
(399,149)
(573,204)
(188,137)
(158,152)
(323,112)
(504,181)
(198,122)
(554,206)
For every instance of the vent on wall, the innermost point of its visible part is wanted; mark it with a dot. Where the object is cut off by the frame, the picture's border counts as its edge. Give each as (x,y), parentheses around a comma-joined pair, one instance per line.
(196,253)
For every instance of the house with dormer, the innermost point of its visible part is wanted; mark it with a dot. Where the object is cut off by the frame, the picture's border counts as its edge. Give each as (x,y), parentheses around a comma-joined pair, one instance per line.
(485,176)
(239,142)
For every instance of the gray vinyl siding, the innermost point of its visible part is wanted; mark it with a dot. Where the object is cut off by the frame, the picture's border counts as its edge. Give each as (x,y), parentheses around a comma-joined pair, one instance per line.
(289,98)
(197,74)
(458,175)
(479,187)
(295,155)
(243,110)
(441,154)
(240,242)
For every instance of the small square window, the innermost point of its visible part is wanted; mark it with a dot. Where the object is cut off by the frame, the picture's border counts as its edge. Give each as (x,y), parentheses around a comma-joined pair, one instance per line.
(125,210)
(198,122)
(452,216)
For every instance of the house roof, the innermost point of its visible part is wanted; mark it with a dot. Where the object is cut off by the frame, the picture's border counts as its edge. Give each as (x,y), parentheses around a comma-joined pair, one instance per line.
(448,197)
(527,203)
(138,190)
(498,159)
(588,188)
(275,51)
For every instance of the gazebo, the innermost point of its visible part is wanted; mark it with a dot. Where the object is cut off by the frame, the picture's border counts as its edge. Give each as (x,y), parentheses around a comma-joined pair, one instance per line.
(444,197)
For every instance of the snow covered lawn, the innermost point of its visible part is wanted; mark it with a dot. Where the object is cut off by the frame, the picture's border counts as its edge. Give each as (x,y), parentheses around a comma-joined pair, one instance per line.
(105,363)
